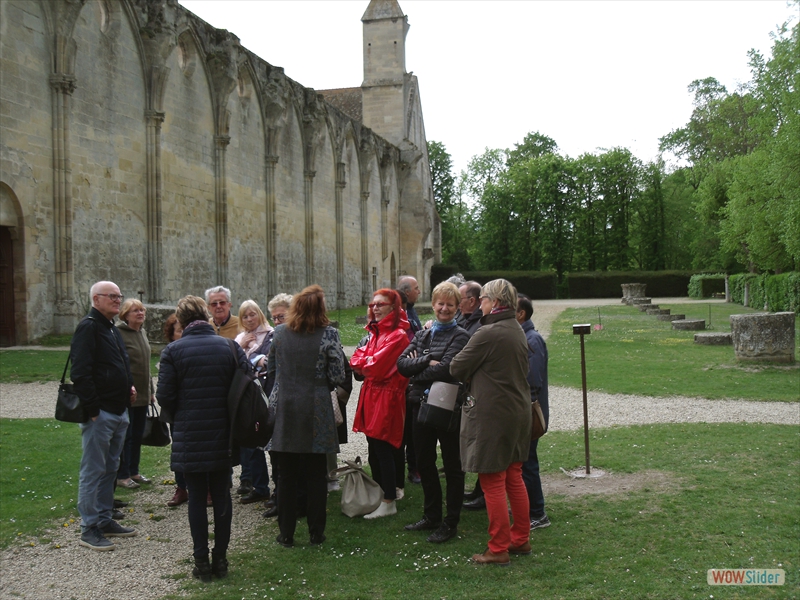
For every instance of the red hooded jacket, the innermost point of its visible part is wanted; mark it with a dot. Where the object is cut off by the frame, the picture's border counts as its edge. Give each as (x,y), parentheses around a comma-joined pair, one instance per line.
(381,411)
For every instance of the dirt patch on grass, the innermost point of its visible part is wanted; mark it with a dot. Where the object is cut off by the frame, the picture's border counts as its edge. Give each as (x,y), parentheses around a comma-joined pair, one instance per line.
(610,483)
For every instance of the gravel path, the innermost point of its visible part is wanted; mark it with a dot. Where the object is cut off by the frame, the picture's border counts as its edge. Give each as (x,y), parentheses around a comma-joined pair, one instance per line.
(141,567)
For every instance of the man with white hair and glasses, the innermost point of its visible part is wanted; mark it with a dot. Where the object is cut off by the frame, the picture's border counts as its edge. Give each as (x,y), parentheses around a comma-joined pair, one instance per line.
(101,374)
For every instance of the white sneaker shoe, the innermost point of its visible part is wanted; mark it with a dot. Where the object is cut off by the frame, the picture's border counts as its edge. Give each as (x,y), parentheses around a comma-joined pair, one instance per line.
(400,493)
(384,510)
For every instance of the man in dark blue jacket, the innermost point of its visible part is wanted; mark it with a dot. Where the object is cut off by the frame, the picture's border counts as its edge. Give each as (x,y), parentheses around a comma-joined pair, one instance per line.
(101,374)
(537,379)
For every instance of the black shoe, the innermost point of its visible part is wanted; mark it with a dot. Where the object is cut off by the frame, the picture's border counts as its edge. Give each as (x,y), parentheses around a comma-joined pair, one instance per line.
(219,566)
(253,496)
(443,534)
(413,476)
(316,540)
(271,512)
(117,515)
(114,529)
(245,487)
(285,542)
(473,495)
(424,524)
(202,569)
(119,503)
(477,504)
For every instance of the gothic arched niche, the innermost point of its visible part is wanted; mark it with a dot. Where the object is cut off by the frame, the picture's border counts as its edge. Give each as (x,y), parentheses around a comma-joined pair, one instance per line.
(107,152)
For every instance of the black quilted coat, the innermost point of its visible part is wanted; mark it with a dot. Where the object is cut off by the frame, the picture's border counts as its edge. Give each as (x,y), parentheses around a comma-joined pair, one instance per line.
(193,381)
(442,346)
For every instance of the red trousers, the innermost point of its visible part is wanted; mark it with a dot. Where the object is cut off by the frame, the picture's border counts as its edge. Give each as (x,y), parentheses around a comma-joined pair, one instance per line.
(496,488)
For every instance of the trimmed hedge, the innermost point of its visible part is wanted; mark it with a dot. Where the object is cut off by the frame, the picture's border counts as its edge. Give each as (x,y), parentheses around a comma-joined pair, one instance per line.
(705,285)
(538,285)
(608,284)
(778,293)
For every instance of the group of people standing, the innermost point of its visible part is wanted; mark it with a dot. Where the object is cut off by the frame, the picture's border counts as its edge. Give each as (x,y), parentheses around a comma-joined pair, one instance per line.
(301,365)
(483,340)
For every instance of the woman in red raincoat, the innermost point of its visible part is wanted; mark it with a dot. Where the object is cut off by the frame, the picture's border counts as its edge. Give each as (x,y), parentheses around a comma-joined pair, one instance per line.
(381,408)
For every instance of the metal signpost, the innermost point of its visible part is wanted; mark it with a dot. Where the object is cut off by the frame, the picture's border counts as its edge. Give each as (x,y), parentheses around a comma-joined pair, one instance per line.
(582,330)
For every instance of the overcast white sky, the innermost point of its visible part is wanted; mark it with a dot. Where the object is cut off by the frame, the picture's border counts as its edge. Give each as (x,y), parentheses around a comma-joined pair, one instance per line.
(588,74)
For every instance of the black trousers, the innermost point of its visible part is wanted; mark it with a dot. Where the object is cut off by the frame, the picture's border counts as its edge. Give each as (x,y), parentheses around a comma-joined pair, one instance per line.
(218,483)
(308,472)
(425,439)
(384,466)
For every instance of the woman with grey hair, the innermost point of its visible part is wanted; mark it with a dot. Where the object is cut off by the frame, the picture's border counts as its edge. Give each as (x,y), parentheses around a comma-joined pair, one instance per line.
(496,419)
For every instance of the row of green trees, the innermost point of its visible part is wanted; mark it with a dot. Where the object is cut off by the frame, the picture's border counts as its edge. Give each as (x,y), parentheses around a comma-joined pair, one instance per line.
(732,203)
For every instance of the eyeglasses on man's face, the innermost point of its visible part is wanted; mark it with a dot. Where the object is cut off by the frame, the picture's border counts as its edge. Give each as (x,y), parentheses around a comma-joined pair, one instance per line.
(219,303)
(113,297)
(279,318)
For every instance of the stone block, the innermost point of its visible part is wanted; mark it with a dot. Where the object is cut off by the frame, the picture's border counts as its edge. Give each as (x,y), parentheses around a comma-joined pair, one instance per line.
(646,307)
(157,315)
(713,339)
(670,317)
(633,290)
(768,337)
(658,311)
(689,325)
(639,301)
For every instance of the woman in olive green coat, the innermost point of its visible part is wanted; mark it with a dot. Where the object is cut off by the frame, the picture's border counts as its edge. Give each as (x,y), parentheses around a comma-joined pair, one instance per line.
(496,419)
(132,331)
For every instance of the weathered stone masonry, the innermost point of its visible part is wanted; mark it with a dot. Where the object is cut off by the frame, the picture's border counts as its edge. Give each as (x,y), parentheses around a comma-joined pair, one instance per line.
(139,143)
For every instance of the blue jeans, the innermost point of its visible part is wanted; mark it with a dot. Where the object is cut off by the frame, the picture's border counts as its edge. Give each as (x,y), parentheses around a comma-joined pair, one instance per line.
(254,469)
(132,450)
(533,483)
(102,440)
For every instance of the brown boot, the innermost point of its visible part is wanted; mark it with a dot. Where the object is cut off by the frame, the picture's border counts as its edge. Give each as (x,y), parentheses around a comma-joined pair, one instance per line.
(521,550)
(179,498)
(490,558)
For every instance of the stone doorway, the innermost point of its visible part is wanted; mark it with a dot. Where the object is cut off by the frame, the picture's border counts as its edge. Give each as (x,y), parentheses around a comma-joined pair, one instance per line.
(8,335)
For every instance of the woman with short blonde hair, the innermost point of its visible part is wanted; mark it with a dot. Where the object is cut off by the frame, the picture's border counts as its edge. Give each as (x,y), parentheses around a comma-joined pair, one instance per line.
(132,313)
(425,361)
(496,420)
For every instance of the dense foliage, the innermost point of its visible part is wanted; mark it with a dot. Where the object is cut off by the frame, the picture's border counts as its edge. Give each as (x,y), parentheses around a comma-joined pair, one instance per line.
(731,204)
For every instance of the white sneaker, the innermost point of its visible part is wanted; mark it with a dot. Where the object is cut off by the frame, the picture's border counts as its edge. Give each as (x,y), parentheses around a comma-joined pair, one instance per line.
(333,486)
(400,493)
(384,510)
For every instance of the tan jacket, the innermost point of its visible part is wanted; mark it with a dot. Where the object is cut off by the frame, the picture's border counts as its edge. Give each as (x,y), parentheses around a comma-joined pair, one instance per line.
(230,330)
(496,430)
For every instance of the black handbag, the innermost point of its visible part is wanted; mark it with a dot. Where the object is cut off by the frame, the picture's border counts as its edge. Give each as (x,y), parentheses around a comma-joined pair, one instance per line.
(156,432)
(436,416)
(69,408)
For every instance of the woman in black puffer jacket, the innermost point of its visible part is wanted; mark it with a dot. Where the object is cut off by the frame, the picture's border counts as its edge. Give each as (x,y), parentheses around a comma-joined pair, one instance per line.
(426,360)
(195,374)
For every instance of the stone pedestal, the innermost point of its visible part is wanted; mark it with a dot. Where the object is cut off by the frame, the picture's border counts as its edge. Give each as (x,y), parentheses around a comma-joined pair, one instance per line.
(633,290)
(670,317)
(640,301)
(713,339)
(157,315)
(645,307)
(658,311)
(689,325)
(767,337)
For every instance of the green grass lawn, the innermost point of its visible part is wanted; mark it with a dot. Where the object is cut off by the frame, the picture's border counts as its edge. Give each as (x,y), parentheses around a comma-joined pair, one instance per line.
(635,353)
(655,541)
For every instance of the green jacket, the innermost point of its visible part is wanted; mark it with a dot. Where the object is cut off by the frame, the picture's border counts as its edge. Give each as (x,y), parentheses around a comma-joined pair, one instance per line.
(139,352)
